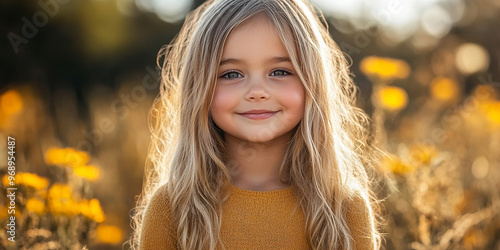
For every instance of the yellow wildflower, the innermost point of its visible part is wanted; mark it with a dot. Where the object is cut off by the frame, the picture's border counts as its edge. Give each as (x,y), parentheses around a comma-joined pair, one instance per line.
(64,207)
(385,68)
(392,98)
(27,179)
(60,200)
(491,109)
(60,191)
(10,102)
(109,234)
(92,209)
(35,205)
(395,165)
(66,156)
(5,180)
(4,213)
(18,214)
(90,173)
(444,89)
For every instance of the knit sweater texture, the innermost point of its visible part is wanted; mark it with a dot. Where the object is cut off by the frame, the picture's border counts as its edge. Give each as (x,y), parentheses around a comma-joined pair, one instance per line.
(252,220)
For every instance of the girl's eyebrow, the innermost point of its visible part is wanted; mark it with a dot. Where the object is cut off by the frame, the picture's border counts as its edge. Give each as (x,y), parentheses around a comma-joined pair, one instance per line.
(229,61)
(279,59)
(276,59)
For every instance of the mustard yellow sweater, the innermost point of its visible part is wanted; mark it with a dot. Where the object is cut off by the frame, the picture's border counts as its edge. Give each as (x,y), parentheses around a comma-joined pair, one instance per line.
(252,220)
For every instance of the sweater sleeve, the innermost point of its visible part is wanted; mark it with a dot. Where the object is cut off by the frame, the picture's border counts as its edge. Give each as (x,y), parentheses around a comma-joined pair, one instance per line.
(362,225)
(157,231)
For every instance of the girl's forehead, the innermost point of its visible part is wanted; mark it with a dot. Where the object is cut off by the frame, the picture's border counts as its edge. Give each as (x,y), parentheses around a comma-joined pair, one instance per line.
(254,40)
(259,25)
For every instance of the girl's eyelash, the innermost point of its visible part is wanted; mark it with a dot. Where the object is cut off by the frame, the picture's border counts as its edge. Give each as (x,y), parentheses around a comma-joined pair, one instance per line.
(284,70)
(223,75)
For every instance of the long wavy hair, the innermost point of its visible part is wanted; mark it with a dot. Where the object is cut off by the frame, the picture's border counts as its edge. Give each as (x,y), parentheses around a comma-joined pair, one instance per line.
(330,151)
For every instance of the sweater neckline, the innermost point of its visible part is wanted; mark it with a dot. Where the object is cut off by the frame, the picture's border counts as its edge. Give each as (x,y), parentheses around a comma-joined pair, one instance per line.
(288,191)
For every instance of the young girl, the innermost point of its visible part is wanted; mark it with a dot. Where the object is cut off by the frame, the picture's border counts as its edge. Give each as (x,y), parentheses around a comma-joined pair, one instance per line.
(257,144)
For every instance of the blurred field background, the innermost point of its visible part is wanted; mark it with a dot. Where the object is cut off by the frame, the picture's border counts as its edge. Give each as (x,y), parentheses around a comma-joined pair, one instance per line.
(78,79)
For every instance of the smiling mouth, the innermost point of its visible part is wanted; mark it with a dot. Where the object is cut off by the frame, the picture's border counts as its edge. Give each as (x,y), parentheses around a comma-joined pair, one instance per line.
(258,116)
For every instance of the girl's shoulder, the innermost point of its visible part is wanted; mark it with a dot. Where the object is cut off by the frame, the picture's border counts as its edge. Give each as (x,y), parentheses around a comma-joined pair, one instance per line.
(358,210)
(158,204)
(159,197)
(361,222)
(157,225)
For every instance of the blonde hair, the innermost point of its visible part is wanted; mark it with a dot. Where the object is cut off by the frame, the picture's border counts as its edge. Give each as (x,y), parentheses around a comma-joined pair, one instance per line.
(326,158)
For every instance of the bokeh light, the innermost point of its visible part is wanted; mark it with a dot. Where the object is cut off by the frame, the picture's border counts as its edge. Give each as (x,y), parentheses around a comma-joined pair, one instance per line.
(398,20)
(167,10)
(109,234)
(392,98)
(10,103)
(436,21)
(444,89)
(385,69)
(480,167)
(471,58)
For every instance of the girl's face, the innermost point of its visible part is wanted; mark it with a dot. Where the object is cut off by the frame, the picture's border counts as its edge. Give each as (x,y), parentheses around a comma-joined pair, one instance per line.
(258,95)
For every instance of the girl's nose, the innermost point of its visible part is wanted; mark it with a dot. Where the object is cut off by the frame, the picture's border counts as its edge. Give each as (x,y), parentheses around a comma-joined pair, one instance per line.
(257,92)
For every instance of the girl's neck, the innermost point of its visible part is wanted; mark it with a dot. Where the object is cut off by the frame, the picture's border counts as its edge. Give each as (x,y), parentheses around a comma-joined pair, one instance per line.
(255,166)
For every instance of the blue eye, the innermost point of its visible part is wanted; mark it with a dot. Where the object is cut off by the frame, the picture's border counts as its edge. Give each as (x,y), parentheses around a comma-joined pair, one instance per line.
(231,75)
(280,73)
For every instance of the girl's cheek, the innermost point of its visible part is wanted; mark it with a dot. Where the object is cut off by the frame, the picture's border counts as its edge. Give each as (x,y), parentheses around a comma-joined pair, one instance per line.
(294,93)
(223,98)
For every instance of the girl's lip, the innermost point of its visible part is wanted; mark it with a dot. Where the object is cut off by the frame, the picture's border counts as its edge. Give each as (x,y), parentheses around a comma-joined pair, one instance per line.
(258,116)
